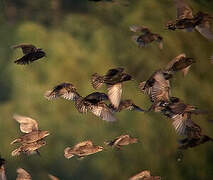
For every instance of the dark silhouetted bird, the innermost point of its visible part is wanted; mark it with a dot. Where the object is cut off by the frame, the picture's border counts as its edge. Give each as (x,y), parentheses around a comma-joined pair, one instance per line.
(82,149)
(122,140)
(144,175)
(23,175)
(2,169)
(32,137)
(186,20)
(146,37)
(31,53)
(113,79)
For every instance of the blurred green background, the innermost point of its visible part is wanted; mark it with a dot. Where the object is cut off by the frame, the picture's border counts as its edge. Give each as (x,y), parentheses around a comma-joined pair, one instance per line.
(80,38)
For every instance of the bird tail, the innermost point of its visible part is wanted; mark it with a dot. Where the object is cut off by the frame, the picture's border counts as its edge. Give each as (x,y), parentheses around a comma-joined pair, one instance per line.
(16,141)
(16,152)
(97,81)
(67,153)
(22,61)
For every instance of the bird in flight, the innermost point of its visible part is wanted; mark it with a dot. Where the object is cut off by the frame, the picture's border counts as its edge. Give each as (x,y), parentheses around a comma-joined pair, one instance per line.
(186,20)
(31,53)
(146,36)
(144,175)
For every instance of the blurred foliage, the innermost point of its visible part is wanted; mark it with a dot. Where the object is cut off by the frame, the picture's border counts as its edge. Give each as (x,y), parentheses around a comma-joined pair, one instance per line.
(83,37)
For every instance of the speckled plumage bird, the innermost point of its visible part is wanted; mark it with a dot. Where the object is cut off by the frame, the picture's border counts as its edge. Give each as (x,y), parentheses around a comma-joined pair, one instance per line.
(82,149)
(122,140)
(180,114)
(23,174)
(157,87)
(31,53)
(186,20)
(144,175)
(93,102)
(128,104)
(113,79)
(2,169)
(64,90)
(29,148)
(146,37)
(33,139)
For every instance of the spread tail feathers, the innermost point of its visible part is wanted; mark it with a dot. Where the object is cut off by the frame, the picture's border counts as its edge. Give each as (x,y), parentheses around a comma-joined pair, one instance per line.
(97,81)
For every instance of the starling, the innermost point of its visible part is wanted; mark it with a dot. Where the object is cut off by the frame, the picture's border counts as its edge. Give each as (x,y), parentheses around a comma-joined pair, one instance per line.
(23,174)
(52,177)
(180,63)
(144,175)
(93,102)
(2,169)
(33,138)
(157,87)
(186,20)
(129,105)
(82,149)
(29,148)
(180,114)
(65,90)
(122,140)
(113,79)
(31,53)
(146,36)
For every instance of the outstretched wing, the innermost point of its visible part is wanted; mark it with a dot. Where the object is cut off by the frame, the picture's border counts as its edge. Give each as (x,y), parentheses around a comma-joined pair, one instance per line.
(52,177)
(27,124)
(22,175)
(101,110)
(183,10)
(114,94)
(205,30)
(26,48)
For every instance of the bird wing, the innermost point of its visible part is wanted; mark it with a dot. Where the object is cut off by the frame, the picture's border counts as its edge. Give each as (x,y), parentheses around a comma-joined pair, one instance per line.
(52,177)
(179,123)
(183,10)
(204,30)
(27,124)
(83,144)
(173,61)
(22,175)
(141,175)
(102,110)
(26,48)
(114,94)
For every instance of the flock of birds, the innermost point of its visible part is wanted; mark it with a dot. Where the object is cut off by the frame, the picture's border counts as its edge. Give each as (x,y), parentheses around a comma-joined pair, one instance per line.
(105,106)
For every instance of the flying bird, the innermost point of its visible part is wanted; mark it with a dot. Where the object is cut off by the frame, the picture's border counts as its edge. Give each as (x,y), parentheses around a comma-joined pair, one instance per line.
(31,53)
(64,90)
(82,149)
(186,20)
(23,175)
(144,175)
(122,140)
(33,137)
(113,79)
(157,87)
(146,36)
(93,102)
(180,114)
